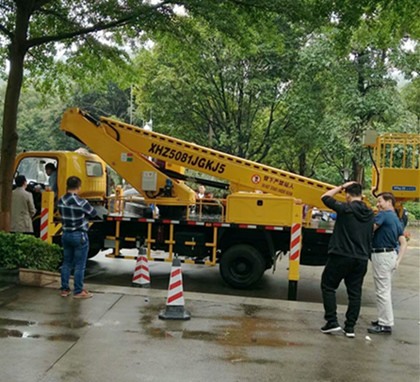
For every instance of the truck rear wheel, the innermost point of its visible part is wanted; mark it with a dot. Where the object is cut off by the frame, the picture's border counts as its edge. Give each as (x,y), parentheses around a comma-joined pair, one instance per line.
(241,266)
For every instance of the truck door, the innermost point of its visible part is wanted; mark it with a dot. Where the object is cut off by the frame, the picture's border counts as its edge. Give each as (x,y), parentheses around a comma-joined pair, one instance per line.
(33,168)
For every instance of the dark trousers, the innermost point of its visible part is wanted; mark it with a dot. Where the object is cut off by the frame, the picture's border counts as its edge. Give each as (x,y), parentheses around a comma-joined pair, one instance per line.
(352,271)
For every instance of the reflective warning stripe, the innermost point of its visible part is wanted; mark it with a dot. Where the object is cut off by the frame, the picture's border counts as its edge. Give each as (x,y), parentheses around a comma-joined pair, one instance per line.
(191,222)
(295,241)
(141,271)
(141,276)
(44,224)
(198,223)
(324,231)
(175,285)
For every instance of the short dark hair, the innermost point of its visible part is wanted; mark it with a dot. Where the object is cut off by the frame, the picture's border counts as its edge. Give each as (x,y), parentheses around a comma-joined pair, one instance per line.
(20,180)
(50,166)
(388,196)
(354,189)
(73,182)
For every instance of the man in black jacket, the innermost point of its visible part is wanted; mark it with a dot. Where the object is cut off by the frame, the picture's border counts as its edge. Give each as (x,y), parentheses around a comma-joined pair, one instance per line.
(349,250)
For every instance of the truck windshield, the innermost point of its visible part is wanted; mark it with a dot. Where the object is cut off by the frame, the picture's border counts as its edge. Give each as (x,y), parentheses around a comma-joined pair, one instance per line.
(33,168)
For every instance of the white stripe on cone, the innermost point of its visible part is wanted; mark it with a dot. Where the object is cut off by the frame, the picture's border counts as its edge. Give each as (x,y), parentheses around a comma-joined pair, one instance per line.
(175,302)
(141,271)
(175,293)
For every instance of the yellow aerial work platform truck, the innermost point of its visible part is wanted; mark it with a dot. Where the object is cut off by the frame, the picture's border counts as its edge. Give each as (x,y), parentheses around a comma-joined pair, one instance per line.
(260,218)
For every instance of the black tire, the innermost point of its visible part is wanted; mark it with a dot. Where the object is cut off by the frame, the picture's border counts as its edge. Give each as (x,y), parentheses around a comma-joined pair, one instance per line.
(241,266)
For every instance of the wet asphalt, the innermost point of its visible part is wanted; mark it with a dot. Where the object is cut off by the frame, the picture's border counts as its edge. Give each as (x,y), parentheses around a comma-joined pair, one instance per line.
(232,335)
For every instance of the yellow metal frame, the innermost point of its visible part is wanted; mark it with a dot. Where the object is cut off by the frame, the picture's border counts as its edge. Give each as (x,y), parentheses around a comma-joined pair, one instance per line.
(119,148)
(114,140)
(402,178)
(170,242)
(403,140)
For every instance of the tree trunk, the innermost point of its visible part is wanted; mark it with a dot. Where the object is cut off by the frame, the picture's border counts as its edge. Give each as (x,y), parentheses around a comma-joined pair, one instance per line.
(358,172)
(302,163)
(10,136)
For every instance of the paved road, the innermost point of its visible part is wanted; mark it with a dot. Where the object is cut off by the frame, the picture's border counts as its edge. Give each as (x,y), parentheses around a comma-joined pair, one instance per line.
(117,335)
(205,279)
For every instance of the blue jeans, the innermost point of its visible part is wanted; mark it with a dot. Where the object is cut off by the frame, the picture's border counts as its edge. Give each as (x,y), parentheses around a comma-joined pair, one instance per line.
(76,247)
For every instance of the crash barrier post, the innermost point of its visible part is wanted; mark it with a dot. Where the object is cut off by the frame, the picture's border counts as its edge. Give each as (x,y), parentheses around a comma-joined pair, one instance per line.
(47,214)
(295,248)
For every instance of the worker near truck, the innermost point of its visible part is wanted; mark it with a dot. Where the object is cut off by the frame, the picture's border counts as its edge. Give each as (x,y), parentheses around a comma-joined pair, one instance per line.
(201,192)
(23,208)
(51,171)
(389,245)
(349,251)
(74,213)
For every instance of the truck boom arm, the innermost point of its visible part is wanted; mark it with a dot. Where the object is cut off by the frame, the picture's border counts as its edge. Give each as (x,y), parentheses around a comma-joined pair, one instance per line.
(126,148)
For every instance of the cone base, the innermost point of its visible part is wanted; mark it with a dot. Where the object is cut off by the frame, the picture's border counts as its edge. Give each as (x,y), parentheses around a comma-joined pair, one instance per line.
(174,313)
(141,285)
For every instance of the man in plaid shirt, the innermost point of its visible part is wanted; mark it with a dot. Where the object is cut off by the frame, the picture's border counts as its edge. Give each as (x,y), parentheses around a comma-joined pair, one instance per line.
(74,213)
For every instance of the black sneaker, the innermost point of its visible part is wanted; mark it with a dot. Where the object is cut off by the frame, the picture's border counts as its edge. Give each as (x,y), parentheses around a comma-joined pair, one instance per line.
(380,329)
(349,332)
(375,323)
(330,327)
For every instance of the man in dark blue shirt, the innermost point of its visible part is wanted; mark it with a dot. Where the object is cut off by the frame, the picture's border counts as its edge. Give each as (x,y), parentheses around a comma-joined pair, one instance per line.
(389,246)
(74,212)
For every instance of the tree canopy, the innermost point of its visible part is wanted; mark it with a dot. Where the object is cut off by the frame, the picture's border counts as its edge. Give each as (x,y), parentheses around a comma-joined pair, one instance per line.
(87,34)
(292,83)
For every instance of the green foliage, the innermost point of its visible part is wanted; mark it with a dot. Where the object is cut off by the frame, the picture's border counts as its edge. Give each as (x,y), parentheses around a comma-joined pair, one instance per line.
(279,94)
(413,208)
(26,251)
(114,102)
(218,90)
(293,83)
(39,123)
(411,97)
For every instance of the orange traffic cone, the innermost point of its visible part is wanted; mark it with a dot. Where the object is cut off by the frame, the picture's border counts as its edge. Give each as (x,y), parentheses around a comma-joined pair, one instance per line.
(175,302)
(141,276)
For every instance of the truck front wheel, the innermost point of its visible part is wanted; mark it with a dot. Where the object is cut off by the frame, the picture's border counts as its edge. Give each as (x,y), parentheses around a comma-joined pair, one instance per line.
(241,266)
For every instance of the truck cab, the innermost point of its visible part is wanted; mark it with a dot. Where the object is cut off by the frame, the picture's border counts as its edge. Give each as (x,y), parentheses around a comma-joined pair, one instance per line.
(88,167)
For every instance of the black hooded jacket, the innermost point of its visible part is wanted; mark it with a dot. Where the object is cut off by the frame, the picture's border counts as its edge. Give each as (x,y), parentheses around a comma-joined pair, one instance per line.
(353,231)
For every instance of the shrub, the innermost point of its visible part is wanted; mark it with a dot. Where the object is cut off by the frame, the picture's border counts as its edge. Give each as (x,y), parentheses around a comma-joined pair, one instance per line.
(413,208)
(26,251)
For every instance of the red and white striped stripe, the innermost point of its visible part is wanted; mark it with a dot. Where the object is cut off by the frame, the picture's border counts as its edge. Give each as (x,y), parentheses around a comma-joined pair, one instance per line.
(324,231)
(295,241)
(175,293)
(198,223)
(44,224)
(141,274)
